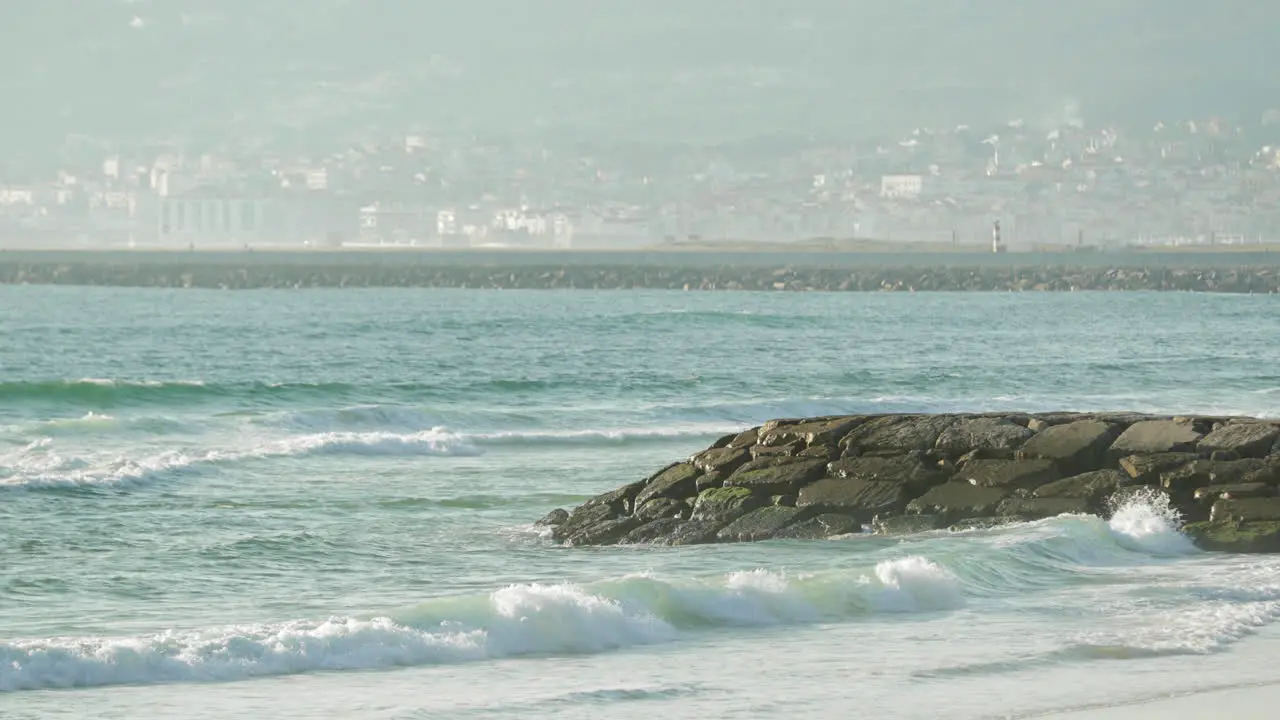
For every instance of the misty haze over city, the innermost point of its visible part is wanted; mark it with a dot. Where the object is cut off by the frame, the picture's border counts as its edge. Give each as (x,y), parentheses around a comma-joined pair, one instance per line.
(602,123)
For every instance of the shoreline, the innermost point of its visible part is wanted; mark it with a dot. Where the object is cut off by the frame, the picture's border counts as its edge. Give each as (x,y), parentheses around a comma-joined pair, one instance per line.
(1248,702)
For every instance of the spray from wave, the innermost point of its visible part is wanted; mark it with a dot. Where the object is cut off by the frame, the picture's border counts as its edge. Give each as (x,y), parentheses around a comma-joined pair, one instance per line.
(1146,521)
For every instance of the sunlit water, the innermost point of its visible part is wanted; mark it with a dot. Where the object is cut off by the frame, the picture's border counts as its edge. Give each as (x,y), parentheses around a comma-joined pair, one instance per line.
(316,504)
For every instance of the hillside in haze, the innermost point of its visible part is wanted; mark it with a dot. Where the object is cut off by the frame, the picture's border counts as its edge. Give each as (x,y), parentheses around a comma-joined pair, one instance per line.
(618,69)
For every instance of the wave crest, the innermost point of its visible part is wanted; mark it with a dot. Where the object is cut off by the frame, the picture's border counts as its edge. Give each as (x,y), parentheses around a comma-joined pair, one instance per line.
(520,620)
(39,466)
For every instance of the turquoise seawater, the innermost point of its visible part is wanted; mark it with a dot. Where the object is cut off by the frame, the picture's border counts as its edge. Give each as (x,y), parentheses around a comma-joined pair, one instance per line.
(317,504)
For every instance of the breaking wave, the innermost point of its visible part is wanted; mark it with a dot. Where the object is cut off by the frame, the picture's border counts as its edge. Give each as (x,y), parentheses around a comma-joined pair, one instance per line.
(39,465)
(921,576)
(520,620)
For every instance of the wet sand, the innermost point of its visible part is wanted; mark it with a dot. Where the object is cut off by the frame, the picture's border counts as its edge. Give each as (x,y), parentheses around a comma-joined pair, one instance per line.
(1259,702)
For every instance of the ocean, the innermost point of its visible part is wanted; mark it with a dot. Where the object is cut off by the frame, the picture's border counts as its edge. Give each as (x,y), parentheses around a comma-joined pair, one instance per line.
(319,504)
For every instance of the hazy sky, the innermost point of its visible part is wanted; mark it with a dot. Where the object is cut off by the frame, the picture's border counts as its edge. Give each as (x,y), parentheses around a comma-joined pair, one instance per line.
(695,69)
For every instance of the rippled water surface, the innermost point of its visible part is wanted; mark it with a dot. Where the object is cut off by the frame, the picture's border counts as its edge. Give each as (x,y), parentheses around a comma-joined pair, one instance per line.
(317,504)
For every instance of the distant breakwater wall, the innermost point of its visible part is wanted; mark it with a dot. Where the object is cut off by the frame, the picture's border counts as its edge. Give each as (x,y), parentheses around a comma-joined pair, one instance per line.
(241,273)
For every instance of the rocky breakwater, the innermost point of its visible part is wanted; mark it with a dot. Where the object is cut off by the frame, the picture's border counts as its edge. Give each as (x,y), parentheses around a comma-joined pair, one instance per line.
(241,272)
(819,477)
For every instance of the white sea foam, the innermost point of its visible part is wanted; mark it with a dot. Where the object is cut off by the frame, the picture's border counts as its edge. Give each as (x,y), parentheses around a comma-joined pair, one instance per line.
(90,422)
(356,417)
(39,465)
(531,619)
(1222,606)
(1147,522)
(436,441)
(405,419)
(107,382)
(589,436)
(915,584)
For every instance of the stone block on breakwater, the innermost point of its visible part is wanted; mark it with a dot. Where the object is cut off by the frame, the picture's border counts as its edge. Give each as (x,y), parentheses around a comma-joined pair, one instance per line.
(901,473)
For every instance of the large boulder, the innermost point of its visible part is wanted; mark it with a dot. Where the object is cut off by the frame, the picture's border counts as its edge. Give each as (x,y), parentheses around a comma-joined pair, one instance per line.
(1123,418)
(694,532)
(722,459)
(1146,469)
(654,531)
(902,469)
(819,431)
(859,498)
(1246,510)
(759,524)
(820,527)
(673,531)
(661,508)
(1235,536)
(984,434)
(600,509)
(898,433)
(709,480)
(607,532)
(1187,478)
(1248,470)
(1011,474)
(1155,436)
(767,452)
(1092,487)
(777,478)
(553,518)
(1246,439)
(620,500)
(1034,508)
(745,439)
(820,452)
(1075,446)
(906,524)
(677,481)
(725,504)
(1213,493)
(958,500)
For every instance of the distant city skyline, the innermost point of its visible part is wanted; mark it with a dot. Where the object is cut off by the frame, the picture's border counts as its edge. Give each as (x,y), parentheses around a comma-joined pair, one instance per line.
(566,122)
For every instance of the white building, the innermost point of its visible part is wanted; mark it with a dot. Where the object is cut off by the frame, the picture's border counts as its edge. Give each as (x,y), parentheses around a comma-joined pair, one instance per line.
(209,217)
(317,178)
(446,222)
(903,187)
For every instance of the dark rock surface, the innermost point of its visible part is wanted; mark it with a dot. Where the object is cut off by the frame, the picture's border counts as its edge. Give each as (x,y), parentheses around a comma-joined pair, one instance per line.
(1074,446)
(760,524)
(777,478)
(1156,436)
(820,477)
(1093,487)
(1244,439)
